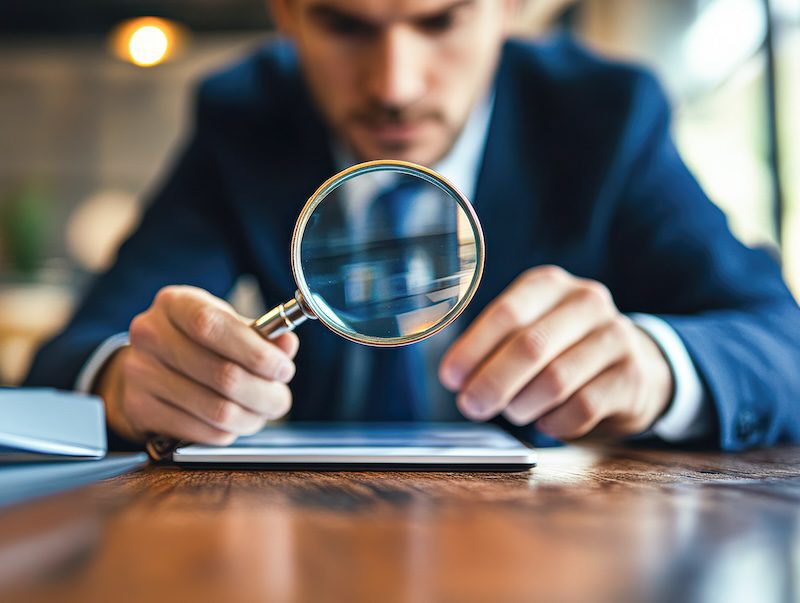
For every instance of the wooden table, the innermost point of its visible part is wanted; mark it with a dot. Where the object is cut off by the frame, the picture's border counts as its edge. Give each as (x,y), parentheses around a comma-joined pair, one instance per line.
(588,524)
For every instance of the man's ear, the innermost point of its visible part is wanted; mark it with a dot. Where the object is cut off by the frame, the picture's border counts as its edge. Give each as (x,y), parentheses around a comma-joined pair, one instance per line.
(282,15)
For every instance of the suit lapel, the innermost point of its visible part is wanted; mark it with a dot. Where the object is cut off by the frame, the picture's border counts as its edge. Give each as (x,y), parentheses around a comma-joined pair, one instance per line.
(506,198)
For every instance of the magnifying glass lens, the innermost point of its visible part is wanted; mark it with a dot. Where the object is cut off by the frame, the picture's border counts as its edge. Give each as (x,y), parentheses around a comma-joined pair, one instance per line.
(387,255)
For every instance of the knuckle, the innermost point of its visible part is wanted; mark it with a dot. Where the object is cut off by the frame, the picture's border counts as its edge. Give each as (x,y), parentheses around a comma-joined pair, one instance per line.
(488,386)
(594,291)
(596,294)
(206,323)
(616,335)
(166,295)
(228,378)
(584,408)
(531,274)
(618,329)
(546,272)
(140,332)
(555,379)
(224,413)
(507,314)
(549,272)
(532,343)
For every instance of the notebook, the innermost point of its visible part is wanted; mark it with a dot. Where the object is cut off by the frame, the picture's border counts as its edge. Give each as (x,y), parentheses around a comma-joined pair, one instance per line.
(51,424)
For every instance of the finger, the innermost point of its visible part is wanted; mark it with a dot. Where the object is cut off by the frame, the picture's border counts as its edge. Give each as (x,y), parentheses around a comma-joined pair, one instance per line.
(522,356)
(200,401)
(587,407)
(567,373)
(527,299)
(289,343)
(210,322)
(148,414)
(158,337)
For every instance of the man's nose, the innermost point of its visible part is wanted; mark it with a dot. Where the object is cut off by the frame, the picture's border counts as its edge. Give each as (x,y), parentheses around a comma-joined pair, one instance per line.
(397,71)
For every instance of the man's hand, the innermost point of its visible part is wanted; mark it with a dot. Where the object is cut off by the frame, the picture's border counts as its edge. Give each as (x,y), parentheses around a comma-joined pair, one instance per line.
(196,371)
(554,349)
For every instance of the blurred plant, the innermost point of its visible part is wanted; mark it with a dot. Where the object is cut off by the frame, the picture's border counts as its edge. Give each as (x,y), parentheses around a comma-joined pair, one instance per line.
(25,227)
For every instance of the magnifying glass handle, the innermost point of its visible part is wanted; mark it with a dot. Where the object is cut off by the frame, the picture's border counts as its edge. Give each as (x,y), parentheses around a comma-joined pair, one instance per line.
(281,319)
(284,318)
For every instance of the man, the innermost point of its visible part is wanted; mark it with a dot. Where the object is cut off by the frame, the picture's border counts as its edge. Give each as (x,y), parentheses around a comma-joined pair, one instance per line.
(656,320)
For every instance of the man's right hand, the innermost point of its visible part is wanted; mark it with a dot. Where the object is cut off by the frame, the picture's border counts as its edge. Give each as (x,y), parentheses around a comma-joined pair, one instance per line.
(195,370)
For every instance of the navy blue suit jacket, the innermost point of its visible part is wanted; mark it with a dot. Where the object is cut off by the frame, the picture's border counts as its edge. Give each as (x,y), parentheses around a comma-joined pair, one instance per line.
(579,171)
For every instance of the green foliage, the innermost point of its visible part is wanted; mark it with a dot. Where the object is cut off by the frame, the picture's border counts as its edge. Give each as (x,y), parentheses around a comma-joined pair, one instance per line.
(25,228)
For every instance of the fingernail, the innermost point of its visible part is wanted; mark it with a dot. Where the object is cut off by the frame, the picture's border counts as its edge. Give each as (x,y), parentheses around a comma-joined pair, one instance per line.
(286,371)
(513,417)
(453,377)
(476,409)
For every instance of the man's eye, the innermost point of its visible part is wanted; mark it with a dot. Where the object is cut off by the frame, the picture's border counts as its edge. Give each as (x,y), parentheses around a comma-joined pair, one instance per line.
(438,23)
(346,27)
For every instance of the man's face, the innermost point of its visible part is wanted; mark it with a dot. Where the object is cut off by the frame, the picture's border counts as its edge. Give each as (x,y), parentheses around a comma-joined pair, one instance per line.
(396,79)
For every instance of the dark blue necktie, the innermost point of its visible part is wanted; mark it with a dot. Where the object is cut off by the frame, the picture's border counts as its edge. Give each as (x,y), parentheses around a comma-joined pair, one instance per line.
(388,213)
(397,380)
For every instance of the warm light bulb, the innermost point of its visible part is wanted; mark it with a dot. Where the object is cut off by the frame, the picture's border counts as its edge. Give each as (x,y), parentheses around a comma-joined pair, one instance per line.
(146,41)
(148,45)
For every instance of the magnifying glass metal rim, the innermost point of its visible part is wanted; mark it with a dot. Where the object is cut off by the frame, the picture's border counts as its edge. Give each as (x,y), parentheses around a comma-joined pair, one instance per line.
(397,166)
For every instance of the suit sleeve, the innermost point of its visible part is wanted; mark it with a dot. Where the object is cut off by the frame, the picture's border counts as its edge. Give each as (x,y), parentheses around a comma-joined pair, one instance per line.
(185,237)
(678,260)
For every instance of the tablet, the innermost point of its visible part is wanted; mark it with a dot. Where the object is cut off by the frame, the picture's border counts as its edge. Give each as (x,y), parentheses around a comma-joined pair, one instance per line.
(392,446)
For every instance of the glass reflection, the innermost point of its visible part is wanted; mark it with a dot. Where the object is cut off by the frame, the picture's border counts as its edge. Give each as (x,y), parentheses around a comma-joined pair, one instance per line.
(387,255)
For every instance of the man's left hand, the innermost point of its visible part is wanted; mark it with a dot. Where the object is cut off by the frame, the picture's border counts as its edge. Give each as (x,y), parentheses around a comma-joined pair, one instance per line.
(554,349)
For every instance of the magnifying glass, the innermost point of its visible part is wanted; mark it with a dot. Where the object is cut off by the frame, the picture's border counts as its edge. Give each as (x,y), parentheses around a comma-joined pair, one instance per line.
(384,253)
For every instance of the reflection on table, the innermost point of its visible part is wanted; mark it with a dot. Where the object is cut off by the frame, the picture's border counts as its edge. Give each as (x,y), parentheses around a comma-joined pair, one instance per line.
(601,524)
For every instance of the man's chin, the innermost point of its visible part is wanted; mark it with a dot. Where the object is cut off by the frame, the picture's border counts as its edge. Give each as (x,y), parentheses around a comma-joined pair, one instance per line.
(414,153)
(422,151)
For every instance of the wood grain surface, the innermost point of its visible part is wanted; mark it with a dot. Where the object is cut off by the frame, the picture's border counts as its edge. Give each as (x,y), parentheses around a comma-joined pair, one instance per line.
(588,524)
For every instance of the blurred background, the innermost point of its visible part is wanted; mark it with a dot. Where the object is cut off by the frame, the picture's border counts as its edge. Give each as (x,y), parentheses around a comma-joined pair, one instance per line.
(94,97)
